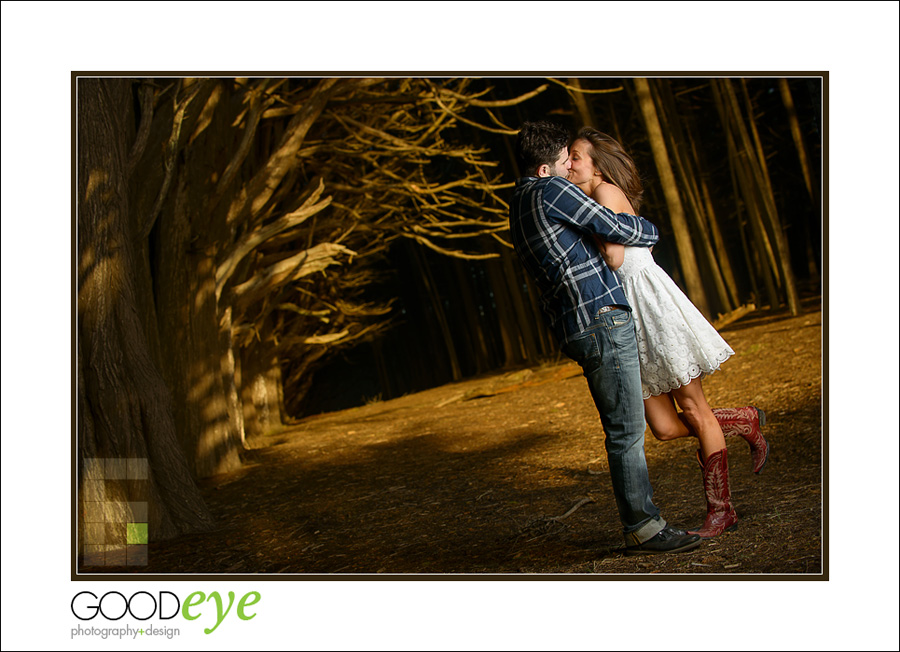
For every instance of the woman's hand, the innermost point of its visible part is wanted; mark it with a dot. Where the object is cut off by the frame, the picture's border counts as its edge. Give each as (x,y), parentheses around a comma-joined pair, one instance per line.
(614,199)
(612,253)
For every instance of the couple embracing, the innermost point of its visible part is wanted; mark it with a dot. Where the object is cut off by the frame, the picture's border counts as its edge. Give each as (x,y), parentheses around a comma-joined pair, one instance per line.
(641,343)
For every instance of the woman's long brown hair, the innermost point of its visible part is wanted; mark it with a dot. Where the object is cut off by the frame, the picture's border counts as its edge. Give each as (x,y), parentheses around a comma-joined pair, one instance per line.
(616,166)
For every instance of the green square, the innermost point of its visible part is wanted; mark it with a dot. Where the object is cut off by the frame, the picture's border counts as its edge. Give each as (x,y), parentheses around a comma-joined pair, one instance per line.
(137,533)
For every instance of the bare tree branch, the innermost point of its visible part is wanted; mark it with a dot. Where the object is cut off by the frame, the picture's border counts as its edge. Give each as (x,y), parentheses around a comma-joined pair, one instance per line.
(495,103)
(254,238)
(448,252)
(258,104)
(171,153)
(146,93)
(586,91)
(305,263)
(258,191)
(508,132)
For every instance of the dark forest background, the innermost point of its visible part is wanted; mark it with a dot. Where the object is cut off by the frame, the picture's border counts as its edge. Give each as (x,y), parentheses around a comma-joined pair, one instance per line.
(251,251)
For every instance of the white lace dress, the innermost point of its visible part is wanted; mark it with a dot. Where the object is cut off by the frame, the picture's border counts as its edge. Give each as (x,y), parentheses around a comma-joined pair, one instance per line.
(675,342)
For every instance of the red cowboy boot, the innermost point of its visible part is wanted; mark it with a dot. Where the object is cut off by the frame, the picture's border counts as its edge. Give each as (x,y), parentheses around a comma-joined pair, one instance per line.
(746,422)
(720,514)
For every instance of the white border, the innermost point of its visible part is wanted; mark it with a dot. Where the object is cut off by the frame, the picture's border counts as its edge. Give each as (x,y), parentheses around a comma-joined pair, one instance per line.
(856,42)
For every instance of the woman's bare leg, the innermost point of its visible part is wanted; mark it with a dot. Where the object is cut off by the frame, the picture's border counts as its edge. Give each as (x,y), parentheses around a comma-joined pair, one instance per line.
(663,418)
(699,417)
(720,514)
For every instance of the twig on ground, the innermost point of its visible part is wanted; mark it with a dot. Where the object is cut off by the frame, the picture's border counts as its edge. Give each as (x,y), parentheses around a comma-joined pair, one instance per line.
(583,501)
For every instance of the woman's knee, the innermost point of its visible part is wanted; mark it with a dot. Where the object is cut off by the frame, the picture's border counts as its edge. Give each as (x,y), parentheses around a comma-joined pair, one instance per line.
(668,431)
(696,416)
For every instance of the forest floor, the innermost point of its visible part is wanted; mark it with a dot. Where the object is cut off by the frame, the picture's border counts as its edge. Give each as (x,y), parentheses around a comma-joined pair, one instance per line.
(481,477)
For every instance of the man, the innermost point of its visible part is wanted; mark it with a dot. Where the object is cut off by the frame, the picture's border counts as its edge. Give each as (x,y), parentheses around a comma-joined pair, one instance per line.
(552,223)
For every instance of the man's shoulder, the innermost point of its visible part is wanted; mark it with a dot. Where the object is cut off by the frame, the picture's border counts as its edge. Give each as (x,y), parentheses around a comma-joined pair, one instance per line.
(560,182)
(555,185)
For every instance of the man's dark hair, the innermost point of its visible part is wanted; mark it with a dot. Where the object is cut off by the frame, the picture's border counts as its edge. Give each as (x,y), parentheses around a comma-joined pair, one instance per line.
(539,143)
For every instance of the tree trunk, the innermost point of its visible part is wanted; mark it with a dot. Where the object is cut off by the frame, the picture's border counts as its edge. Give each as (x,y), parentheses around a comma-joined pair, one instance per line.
(580,101)
(195,346)
(745,247)
(765,257)
(382,369)
(760,173)
(507,327)
(260,379)
(812,185)
(124,407)
(722,253)
(688,171)
(475,332)
(723,256)
(765,264)
(536,314)
(526,326)
(440,315)
(680,228)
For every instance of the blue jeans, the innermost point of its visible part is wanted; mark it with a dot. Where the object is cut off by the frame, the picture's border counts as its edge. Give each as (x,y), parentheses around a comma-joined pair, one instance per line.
(607,353)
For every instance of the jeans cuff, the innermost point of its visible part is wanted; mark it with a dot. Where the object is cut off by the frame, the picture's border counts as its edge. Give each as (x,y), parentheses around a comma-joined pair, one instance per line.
(646,532)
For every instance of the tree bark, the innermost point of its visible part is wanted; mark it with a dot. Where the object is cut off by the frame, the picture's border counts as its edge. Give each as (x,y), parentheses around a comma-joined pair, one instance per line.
(812,187)
(811,182)
(766,264)
(688,171)
(473,327)
(507,328)
(760,173)
(196,345)
(440,315)
(124,406)
(260,382)
(527,333)
(686,254)
(723,257)
(580,101)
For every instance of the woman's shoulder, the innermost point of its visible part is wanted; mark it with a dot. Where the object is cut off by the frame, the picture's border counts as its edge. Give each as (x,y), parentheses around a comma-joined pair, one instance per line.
(612,197)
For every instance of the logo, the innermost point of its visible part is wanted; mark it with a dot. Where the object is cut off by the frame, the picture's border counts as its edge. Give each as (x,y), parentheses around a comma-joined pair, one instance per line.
(143,606)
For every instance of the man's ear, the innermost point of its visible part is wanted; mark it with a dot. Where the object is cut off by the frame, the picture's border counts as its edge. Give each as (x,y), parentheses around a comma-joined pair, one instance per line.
(543,171)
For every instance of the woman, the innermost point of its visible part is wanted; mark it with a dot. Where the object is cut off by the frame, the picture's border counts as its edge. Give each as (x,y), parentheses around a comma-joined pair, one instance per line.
(677,345)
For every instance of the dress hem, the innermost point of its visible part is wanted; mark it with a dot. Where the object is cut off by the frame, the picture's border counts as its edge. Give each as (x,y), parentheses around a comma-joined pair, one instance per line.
(691,377)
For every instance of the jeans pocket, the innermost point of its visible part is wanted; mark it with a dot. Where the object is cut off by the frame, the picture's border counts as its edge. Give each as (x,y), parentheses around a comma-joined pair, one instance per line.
(580,349)
(619,318)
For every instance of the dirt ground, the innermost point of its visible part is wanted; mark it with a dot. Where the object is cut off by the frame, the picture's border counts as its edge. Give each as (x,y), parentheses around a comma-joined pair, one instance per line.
(481,477)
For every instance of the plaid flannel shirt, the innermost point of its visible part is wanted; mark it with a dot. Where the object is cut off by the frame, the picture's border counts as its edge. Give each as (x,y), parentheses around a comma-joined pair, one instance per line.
(551,221)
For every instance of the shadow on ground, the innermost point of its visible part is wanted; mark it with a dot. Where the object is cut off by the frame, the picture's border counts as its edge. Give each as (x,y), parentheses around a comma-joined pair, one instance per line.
(507,475)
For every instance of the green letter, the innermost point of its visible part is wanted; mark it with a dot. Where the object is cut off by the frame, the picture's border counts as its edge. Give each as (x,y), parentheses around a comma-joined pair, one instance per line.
(219,615)
(190,603)
(243,603)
